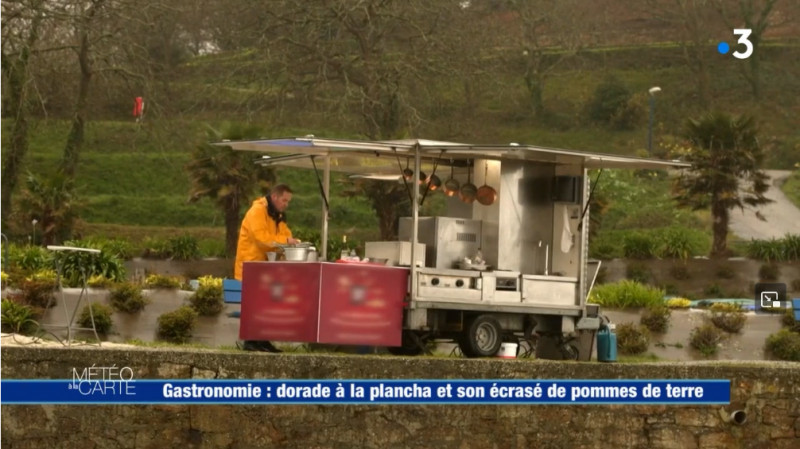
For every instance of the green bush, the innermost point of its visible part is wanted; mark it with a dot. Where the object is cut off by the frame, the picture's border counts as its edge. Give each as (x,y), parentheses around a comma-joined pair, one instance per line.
(38,293)
(713,291)
(632,339)
(656,318)
(787,320)
(706,339)
(18,318)
(155,248)
(207,300)
(775,250)
(163,281)
(728,317)
(127,297)
(726,272)
(678,303)
(676,244)
(769,272)
(680,272)
(99,281)
(639,246)
(611,105)
(177,326)
(626,294)
(184,247)
(102,318)
(31,258)
(638,272)
(784,345)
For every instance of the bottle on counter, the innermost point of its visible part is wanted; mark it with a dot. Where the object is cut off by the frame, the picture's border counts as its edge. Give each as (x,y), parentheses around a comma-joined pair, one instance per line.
(345,252)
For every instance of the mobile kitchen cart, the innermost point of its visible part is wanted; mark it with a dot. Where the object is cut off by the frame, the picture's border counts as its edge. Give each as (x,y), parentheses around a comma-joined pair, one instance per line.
(530,222)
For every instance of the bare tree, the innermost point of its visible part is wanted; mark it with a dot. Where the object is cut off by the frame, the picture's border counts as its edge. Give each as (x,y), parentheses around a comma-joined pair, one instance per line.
(693,22)
(21,22)
(756,15)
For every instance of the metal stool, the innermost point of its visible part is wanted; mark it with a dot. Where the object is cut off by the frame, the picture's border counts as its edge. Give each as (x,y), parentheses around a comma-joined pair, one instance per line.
(84,294)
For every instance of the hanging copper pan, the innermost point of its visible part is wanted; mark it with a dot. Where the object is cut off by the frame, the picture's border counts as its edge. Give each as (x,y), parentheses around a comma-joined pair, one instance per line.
(487,195)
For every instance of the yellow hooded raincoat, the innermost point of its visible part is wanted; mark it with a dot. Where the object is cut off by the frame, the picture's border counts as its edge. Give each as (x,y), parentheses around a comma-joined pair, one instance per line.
(257,235)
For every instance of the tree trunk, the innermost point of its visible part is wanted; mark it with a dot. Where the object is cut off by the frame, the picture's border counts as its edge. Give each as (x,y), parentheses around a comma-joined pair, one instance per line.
(232,227)
(721,217)
(18,98)
(72,149)
(535,85)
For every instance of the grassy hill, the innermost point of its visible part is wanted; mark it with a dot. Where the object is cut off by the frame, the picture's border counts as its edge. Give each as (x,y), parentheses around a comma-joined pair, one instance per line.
(134,174)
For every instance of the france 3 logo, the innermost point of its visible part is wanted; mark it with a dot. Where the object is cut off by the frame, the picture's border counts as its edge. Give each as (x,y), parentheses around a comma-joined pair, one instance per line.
(744,34)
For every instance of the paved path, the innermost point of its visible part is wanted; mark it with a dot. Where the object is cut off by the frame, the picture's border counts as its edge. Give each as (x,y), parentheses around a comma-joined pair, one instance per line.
(782,216)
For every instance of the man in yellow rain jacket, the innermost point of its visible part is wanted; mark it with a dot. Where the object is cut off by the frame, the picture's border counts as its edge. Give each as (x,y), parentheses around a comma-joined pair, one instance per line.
(263,226)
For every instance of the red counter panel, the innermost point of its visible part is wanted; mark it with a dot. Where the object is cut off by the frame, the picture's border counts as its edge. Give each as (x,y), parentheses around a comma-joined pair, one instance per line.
(362,304)
(280,301)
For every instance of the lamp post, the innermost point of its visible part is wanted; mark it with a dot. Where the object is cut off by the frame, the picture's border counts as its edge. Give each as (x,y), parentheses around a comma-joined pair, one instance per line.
(652,91)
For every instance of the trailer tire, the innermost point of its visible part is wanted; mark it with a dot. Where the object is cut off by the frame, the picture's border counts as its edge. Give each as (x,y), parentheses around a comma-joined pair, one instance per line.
(482,337)
(408,345)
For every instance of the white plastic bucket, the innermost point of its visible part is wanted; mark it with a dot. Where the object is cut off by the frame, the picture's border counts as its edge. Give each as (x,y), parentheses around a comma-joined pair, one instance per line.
(507,351)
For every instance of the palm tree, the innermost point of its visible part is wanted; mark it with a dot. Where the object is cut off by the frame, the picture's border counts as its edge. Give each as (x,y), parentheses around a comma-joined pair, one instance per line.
(726,170)
(52,203)
(227,177)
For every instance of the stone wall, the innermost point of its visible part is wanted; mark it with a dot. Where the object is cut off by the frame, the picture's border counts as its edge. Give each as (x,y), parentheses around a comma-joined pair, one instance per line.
(769,393)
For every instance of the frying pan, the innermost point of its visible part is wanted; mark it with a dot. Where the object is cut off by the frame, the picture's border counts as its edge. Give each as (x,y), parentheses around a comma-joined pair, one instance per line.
(487,195)
(468,190)
(434,182)
(452,185)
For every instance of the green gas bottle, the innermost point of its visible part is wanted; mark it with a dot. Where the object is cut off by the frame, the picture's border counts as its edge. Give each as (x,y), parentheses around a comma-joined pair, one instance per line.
(607,343)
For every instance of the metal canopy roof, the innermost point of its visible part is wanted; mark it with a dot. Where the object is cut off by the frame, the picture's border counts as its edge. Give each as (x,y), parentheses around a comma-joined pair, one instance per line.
(384,157)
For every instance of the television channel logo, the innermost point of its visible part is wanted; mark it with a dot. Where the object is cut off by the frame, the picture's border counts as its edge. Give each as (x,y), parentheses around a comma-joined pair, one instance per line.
(769,296)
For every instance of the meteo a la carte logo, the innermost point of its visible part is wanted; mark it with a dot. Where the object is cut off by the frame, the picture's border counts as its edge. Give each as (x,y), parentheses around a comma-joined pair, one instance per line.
(103,381)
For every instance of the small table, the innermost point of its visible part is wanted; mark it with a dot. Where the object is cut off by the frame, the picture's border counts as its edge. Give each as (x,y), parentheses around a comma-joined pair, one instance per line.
(70,318)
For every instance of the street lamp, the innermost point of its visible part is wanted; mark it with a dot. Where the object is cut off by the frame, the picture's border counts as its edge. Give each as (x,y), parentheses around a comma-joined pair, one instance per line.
(653,91)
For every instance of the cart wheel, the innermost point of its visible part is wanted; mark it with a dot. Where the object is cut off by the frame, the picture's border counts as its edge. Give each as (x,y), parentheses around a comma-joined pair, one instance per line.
(409,345)
(482,337)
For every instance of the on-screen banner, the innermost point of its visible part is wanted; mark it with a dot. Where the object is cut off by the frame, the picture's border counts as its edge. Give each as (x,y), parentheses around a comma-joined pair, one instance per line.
(87,390)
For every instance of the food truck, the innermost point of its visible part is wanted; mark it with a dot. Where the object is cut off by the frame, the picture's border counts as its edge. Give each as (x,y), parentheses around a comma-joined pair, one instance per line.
(506,262)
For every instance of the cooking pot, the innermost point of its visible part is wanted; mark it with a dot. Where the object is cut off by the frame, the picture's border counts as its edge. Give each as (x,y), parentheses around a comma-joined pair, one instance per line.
(295,252)
(468,190)
(487,195)
(451,186)
(434,182)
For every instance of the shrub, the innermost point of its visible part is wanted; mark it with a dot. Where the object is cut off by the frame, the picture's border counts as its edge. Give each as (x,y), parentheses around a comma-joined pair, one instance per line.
(177,326)
(638,246)
(726,272)
(679,272)
(127,297)
(32,258)
(155,248)
(787,320)
(162,281)
(102,317)
(207,300)
(18,318)
(184,247)
(4,279)
(638,272)
(728,317)
(713,291)
(676,244)
(632,339)
(656,318)
(73,263)
(99,281)
(38,293)
(678,303)
(626,294)
(769,272)
(784,345)
(706,339)
(614,105)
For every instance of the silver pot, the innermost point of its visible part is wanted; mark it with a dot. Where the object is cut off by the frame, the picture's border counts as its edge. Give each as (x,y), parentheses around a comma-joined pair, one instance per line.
(295,253)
